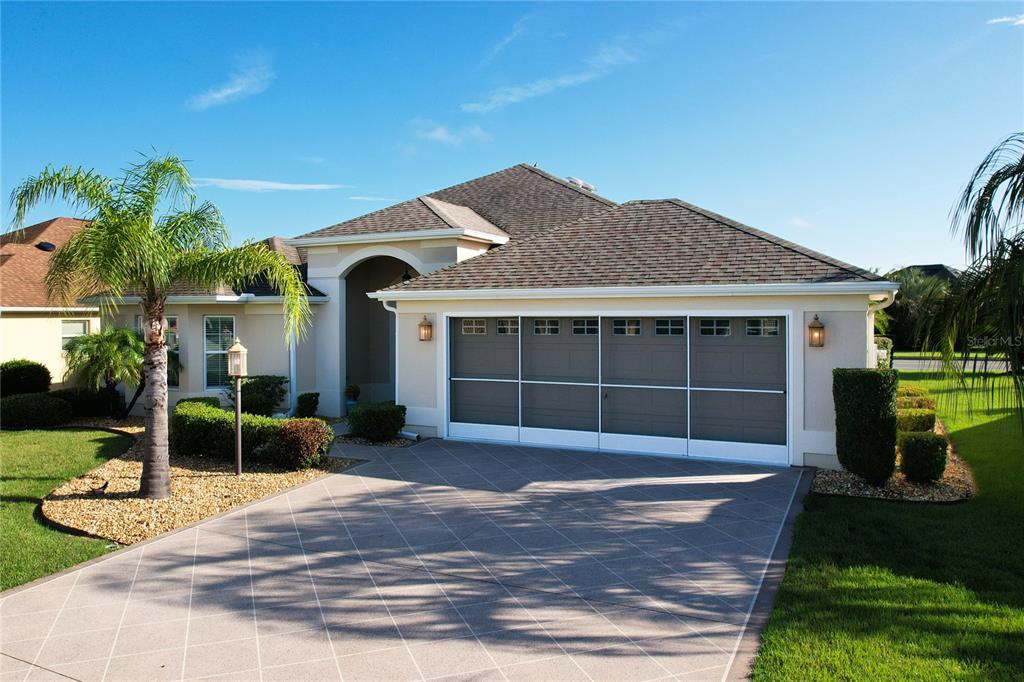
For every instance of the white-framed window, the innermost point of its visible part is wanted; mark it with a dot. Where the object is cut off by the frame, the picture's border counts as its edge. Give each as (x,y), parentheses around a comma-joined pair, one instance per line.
(670,327)
(762,327)
(218,335)
(587,327)
(721,327)
(172,339)
(474,326)
(630,327)
(70,329)
(508,326)
(545,327)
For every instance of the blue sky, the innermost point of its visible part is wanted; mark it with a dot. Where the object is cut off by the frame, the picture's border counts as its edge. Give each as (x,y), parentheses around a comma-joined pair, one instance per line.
(849,128)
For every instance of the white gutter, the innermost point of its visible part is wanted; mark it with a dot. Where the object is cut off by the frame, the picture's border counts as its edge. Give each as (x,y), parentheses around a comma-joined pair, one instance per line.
(408,235)
(48,309)
(643,291)
(884,303)
(247,299)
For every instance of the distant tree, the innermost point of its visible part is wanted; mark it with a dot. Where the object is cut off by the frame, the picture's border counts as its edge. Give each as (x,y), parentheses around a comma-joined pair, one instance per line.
(919,298)
(144,234)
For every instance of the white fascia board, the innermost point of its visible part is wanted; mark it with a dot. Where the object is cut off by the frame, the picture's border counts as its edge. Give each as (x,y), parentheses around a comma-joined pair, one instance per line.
(644,292)
(49,309)
(247,299)
(415,235)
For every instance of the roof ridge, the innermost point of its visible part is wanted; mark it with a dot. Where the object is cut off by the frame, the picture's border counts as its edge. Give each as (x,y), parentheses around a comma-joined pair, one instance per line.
(433,209)
(768,237)
(565,183)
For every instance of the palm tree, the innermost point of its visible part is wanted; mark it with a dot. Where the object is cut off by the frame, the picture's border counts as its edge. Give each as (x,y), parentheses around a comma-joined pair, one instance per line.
(105,359)
(145,233)
(985,308)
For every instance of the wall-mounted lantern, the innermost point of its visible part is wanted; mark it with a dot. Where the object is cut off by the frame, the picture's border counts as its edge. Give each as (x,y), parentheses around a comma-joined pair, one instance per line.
(238,368)
(816,333)
(426,329)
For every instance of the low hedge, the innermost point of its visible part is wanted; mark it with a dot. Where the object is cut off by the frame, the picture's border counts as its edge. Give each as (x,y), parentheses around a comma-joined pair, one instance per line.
(201,400)
(915,419)
(905,390)
(202,430)
(23,376)
(923,456)
(376,422)
(308,403)
(88,402)
(261,394)
(865,404)
(33,411)
(903,402)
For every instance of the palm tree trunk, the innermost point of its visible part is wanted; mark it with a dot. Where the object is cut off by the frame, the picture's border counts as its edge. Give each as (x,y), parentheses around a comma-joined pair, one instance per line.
(156,473)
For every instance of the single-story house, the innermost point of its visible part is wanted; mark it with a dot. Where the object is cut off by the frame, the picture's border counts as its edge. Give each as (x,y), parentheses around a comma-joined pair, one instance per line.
(31,326)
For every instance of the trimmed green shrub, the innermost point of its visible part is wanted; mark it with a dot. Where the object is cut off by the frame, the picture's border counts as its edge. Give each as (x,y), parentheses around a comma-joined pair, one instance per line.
(376,422)
(33,411)
(261,394)
(352,392)
(884,343)
(89,402)
(865,403)
(915,419)
(923,456)
(202,400)
(201,430)
(23,376)
(298,444)
(307,405)
(906,390)
(903,402)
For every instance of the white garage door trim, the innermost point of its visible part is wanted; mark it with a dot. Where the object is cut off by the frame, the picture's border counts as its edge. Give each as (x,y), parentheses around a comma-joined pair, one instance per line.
(613,442)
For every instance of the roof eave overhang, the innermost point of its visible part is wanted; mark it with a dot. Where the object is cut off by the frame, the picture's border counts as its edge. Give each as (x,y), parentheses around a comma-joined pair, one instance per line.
(871,289)
(247,299)
(48,309)
(406,236)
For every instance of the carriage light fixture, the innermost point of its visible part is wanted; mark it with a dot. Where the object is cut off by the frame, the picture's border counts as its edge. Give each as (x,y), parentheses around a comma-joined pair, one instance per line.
(816,333)
(426,329)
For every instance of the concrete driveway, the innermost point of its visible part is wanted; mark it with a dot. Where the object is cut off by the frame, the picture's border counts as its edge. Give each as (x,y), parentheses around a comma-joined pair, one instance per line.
(444,560)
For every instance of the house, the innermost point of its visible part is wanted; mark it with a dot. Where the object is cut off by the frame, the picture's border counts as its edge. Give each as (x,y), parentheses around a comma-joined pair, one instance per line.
(523,308)
(31,326)
(946,273)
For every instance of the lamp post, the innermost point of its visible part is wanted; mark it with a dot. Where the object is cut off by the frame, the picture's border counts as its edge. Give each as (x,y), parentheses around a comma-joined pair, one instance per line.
(237,368)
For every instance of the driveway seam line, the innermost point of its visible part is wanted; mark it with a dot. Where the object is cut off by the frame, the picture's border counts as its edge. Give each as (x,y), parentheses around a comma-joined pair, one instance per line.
(124,611)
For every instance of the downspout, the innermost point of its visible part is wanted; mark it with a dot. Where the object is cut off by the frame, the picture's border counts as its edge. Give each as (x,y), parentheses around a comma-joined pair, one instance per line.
(890,296)
(392,309)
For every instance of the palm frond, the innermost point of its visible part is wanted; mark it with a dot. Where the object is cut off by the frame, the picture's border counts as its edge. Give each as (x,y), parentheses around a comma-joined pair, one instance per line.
(993,200)
(77,186)
(201,226)
(157,179)
(106,358)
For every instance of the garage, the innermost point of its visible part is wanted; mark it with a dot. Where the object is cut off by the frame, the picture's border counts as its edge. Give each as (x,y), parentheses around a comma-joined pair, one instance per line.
(675,385)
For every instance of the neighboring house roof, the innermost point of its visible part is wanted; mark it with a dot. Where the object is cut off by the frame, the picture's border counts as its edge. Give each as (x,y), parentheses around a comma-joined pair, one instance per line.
(516,201)
(23,265)
(642,243)
(944,272)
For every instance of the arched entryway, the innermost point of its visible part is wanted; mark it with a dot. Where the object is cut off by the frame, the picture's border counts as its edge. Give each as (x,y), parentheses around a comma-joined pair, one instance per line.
(370,329)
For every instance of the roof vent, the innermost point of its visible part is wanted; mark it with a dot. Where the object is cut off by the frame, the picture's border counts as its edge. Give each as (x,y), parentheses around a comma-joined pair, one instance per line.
(46,246)
(572,180)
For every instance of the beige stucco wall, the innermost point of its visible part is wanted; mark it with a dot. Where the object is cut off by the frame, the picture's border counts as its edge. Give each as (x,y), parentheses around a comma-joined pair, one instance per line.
(37,337)
(261,330)
(421,379)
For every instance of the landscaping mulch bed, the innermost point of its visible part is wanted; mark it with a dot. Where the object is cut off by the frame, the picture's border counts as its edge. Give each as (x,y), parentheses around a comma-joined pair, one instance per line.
(957,483)
(200,488)
(393,443)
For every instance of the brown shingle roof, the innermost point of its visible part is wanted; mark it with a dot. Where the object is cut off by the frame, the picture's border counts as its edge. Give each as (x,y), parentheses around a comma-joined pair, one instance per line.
(642,243)
(23,266)
(519,201)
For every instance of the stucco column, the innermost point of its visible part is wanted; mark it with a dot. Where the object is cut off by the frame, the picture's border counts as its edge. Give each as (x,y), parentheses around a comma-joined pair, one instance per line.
(329,332)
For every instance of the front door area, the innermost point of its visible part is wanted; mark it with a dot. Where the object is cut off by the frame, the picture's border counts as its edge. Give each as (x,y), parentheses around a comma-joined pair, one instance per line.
(702,386)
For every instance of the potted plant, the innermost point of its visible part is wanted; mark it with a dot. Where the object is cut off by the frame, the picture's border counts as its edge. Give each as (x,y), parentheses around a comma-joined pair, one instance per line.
(351,396)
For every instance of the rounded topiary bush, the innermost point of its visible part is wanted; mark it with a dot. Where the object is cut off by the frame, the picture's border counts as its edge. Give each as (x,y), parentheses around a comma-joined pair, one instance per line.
(923,456)
(376,422)
(298,444)
(915,419)
(33,411)
(905,390)
(865,404)
(23,376)
(307,404)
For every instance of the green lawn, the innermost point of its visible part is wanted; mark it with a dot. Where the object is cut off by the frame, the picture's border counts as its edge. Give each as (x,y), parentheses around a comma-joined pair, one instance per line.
(882,590)
(32,463)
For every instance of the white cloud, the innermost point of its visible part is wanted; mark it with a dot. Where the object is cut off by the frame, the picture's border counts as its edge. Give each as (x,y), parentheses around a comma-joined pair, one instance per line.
(251,76)
(1013,21)
(313,160)
(370,198)
(435,132)
(606,59)
(507,39)
(801,223)
(241,185)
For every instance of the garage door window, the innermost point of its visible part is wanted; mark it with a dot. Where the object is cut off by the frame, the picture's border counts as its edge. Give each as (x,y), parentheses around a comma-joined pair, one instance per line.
(545,327)
(762,327)
(675,327)
(715,328)
(626,327)
(474,326)
(508,326)
(584,327)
